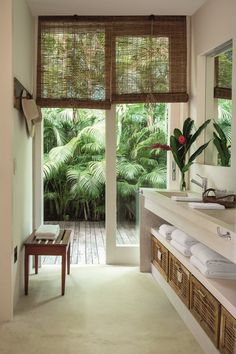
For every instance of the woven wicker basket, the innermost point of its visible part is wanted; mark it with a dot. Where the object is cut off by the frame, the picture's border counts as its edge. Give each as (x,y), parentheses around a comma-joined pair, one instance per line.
(227,333)
(179,279)
(209,196)
(160,257)
(205,308)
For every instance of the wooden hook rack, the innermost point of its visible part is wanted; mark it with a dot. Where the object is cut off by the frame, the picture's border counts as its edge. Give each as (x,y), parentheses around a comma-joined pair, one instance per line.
(19,92)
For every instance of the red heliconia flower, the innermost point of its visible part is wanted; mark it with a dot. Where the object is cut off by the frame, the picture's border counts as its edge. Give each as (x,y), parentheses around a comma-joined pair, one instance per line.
(164,147)
(182,139)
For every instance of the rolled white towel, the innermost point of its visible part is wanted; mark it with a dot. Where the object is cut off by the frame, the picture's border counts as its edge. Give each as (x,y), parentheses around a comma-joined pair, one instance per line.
(211,273)
(47,232)
(207,256)
(182,238)
(166,230)
(206,206)
(182,249)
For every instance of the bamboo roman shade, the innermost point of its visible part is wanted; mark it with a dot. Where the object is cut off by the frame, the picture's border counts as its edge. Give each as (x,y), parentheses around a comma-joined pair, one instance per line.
(92,62)
(223,75)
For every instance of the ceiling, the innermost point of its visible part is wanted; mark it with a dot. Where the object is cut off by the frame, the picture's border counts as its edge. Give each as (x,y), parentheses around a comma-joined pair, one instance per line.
(114,7)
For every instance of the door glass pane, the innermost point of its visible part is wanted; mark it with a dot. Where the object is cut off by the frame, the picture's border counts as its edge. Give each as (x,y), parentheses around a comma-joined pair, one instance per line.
(138,165)
(74,179)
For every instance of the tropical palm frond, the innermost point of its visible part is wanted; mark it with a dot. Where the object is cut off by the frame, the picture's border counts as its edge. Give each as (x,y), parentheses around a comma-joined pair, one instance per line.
(95,132)
(84,184)
(61,154)
(98,170)
(92,147)
(51,195)
(129,170)
(126,190)
(147,162)
(155,178)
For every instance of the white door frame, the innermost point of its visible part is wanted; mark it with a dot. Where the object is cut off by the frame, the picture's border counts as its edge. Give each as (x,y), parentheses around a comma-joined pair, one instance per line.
(115,254)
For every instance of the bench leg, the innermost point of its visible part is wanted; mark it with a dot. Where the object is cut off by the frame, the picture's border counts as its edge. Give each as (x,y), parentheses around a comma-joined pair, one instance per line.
(68,260)
(63,273)
(36,264)
(26,273)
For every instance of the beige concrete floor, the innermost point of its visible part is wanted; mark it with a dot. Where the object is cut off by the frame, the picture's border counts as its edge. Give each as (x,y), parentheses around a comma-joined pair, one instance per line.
(106,310)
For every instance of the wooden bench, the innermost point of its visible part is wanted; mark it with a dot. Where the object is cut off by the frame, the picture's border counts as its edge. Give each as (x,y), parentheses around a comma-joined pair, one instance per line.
(58,247)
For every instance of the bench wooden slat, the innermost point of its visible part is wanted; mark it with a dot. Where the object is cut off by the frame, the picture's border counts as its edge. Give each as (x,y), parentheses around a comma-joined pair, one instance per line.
(30,238)
(66,237)
(62,239)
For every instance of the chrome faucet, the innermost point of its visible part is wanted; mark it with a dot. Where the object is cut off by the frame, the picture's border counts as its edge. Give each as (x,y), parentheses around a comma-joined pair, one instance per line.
(203,185)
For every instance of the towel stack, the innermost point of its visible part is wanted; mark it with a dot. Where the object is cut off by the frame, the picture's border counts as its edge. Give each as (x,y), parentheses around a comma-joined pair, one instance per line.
(182,242)
(212,264)
(47,232)
(166,230)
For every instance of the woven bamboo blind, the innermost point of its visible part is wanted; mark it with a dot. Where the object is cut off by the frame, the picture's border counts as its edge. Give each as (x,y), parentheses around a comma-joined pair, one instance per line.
(223,75)
(149,60)
(92,62)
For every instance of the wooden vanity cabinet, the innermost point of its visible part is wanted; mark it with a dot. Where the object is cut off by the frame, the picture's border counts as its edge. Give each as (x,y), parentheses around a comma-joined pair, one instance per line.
(227,333)
(160,257)
(179,279)
(205,308)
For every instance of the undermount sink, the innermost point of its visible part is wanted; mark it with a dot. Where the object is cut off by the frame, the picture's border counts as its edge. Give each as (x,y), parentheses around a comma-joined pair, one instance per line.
(183,196)
(228,216)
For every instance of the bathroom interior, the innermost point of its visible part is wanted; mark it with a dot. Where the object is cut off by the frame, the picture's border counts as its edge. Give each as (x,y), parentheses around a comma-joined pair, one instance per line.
(174,291)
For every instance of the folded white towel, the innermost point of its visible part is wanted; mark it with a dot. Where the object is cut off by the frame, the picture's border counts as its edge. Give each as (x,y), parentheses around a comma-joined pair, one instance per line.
(47,232)
(166,230)
(182,238)
(182,249)
(211,273)
(186,199)
(207,256)
(206,206)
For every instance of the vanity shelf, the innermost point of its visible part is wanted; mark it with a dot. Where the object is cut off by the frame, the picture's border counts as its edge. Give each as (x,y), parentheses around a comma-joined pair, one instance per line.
(224,290)
(206,226)
(211,228)
(195,292)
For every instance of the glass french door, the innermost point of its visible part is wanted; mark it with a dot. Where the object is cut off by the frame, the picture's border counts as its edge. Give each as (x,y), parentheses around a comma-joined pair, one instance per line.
(132,164)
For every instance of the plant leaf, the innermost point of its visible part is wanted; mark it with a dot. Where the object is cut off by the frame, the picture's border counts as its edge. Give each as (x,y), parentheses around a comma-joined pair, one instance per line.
(177,157)
(220,131)
(223,150)
(187,127)
(177,133)
(186,167)
(197,133)
(198,152)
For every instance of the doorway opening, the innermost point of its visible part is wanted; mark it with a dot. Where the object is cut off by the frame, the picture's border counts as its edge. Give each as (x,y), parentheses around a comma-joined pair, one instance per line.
(74,180)
(74,172)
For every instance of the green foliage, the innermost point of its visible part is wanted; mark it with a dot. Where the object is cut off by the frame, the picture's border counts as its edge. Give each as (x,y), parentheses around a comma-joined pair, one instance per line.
(225,117)
(180,150)
(221,144)
(224,67)
(74,159)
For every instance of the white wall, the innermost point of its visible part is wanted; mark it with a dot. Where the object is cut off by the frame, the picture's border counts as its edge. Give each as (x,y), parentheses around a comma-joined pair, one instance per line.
(16,49)
(213,24)
(23,53)
(6,89)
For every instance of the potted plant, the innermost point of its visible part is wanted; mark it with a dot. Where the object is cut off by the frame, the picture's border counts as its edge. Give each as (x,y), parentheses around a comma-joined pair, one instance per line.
(180,144)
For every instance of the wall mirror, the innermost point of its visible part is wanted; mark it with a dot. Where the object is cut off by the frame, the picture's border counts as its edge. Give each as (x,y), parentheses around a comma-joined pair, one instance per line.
(219,105)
